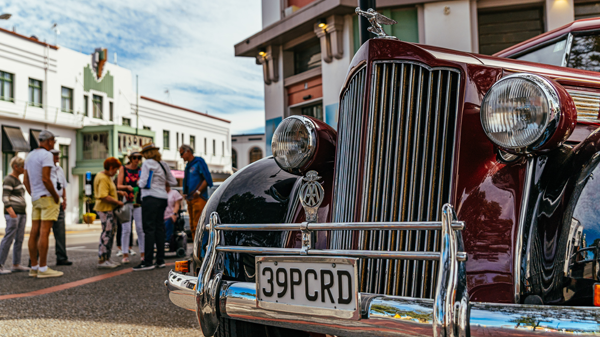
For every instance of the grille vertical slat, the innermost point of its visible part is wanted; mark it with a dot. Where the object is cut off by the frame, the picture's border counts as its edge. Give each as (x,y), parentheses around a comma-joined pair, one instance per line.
(405,172)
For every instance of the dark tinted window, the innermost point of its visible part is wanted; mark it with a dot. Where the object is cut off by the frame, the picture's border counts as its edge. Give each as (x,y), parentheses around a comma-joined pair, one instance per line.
(551,54)
(585,53)
(307,56)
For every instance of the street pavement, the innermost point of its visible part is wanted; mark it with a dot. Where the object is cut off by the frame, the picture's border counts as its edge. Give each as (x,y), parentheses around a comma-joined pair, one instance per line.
(119,302)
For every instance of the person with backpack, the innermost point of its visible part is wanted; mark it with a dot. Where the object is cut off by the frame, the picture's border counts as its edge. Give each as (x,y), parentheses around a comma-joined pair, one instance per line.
(154,177)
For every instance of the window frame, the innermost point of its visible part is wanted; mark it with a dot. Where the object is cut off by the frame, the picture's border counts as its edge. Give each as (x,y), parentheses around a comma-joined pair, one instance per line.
(68,99)
(111,111)
(4,80)
(193,142)
(214,153)
(64,156)
(31,94)
(166,139)
(96,107)
(86,102)
(128,123)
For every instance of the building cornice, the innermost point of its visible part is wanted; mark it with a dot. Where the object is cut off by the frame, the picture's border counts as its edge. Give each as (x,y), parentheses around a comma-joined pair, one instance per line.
(301,22)
(182,108)
(34,40)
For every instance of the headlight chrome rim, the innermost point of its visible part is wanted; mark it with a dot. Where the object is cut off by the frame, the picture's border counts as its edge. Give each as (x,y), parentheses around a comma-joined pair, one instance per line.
(552,118)
(311,142)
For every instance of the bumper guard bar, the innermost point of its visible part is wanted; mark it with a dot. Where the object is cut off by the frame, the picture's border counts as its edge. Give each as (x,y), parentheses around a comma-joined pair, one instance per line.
(448,314)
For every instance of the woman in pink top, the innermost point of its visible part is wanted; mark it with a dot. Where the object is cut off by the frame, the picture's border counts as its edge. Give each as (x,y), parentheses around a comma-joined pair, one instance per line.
(171,212)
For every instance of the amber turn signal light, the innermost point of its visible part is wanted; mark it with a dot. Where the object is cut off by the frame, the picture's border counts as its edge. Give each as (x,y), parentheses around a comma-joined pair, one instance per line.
(597,295)
(182,266)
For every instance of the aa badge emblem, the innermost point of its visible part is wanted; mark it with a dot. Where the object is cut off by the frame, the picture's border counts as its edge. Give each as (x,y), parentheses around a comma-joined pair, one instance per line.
(311,195)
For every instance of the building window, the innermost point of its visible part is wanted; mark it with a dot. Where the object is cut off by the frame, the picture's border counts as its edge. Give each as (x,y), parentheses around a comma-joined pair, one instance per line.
(214,147)
(6,158)
(165,139)
(177,140)
(223,149)
(35,92)
(86,112)
(95,145)
(255,154)
(205,151)
(64,159)
(315,111)
(126,121)
(97,106)
(66,100)
(193,142)
(182,141)
(111,111)
(307,56)
(146,127)
(233,158)
(6,87)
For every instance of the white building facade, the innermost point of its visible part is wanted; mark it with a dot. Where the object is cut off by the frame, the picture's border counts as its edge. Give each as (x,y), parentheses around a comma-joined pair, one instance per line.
(247,149)
(55,88)
(306,46)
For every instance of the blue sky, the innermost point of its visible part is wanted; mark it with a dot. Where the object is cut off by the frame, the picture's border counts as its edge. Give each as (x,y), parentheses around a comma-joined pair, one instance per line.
(185,47)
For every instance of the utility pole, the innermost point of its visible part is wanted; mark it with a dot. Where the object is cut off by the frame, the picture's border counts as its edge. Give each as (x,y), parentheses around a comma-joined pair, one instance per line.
(137,105)
(363,22)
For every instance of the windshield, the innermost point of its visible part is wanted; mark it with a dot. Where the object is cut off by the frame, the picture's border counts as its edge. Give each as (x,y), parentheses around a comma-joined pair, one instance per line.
(551,54)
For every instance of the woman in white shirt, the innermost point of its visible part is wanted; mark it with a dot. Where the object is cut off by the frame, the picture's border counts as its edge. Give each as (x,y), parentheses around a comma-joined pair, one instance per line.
(153,179)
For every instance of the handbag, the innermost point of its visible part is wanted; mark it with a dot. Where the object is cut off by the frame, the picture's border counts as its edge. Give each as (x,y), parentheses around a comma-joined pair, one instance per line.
(123,213)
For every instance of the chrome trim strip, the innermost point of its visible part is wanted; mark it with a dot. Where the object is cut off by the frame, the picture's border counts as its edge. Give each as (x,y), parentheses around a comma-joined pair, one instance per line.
(518,252)
(565,60)
(409,225)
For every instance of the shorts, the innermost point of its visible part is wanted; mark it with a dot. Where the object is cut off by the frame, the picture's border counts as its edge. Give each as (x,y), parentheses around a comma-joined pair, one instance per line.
(45,209)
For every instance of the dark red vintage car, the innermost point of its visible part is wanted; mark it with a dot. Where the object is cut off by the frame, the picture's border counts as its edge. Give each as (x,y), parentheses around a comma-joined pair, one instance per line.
(459,197)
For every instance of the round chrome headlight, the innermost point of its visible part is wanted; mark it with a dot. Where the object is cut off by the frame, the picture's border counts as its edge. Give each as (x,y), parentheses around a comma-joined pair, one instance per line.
(294,142)
(520,112)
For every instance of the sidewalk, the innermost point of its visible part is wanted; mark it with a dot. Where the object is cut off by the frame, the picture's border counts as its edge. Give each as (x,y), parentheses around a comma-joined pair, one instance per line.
(96,226)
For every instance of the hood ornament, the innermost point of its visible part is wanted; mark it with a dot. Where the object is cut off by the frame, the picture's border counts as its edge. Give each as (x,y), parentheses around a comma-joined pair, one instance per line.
(376,20)
(311,195)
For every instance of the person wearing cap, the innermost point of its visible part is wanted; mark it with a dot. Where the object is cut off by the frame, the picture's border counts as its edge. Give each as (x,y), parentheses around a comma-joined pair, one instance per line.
(38,181)
(196,181)
(13,197)
(128,181)
(154,177)
(58,228)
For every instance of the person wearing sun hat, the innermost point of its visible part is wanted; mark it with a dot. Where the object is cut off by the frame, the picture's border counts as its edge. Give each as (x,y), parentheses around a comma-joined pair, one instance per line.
(128,182)
(154,177)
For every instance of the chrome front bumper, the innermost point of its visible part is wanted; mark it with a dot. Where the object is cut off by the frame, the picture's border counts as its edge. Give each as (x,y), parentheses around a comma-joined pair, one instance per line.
(449,314)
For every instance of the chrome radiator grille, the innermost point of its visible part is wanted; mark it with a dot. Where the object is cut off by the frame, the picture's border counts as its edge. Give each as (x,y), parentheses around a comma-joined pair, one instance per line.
(406,168)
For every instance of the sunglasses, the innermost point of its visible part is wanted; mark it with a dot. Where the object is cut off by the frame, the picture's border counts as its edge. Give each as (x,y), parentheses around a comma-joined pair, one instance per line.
(136,158)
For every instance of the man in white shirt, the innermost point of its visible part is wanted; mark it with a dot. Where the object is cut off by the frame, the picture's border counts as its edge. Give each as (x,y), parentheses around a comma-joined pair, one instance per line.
(38,182)
(59,225)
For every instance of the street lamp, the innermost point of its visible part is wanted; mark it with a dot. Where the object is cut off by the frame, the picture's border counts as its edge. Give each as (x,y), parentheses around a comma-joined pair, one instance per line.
(5,16)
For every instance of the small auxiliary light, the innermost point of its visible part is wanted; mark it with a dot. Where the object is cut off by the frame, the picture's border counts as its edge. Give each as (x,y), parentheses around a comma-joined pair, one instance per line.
(322,23)
(182,266)
(262,53)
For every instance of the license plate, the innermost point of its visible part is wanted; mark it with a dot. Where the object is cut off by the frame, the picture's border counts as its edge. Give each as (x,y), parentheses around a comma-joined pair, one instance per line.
(321,286)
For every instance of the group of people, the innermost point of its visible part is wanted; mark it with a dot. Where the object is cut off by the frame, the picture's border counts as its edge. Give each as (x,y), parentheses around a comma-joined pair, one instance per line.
(46,183)
(142,189)
(153,206)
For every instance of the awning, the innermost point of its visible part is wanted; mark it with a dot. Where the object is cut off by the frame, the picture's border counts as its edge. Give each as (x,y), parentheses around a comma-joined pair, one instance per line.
(13,140)
(34,136)
(178,174)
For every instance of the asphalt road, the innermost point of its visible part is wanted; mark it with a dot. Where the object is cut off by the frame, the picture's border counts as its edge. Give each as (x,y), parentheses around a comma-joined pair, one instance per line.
(128,304)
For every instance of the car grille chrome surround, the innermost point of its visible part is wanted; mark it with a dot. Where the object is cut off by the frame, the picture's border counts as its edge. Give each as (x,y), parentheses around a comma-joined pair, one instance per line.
(406,173)
(587,104)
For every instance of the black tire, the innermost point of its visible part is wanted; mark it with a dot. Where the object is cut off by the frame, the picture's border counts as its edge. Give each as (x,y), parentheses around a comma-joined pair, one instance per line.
(180,252)
(233,328)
